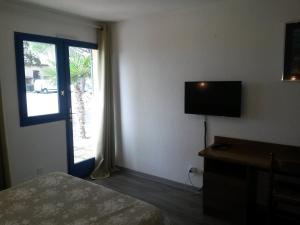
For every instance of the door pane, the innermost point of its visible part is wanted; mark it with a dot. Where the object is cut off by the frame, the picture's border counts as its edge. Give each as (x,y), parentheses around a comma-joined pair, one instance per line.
(40,78)
(82,95)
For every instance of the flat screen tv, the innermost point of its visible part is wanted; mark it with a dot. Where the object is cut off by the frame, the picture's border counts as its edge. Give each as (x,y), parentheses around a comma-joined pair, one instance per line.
(218,98)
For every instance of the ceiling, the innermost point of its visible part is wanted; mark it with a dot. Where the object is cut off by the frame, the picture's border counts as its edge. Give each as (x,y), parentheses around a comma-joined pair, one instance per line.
(115,10)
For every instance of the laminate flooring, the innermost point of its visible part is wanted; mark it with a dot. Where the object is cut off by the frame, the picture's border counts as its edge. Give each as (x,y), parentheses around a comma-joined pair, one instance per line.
(183,207)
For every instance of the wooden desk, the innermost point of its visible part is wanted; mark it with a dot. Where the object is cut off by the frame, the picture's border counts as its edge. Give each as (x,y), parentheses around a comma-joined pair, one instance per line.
(230,176)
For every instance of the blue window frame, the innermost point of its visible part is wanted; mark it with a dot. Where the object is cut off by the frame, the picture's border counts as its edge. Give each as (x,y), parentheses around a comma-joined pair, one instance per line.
(84,168)
(61,64)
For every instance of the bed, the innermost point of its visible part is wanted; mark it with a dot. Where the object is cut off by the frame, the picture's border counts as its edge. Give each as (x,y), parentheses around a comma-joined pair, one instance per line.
(61,199)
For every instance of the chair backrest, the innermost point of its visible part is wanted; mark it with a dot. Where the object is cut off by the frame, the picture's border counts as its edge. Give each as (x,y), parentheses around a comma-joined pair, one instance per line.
(286,167)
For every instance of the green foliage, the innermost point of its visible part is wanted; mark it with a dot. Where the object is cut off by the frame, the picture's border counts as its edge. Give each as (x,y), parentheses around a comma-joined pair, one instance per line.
(80,64)
(41,48)
(80,61)
(30,57)
(34,51)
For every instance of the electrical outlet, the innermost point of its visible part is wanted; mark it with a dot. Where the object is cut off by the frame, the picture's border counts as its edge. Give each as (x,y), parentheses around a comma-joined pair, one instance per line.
(192,169)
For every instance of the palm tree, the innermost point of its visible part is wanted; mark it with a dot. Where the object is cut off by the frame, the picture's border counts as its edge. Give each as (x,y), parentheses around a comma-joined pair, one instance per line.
(80,70)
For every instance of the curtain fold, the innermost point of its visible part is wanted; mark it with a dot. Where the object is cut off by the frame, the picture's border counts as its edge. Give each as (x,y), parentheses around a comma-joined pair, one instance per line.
(105,155)
(4,168)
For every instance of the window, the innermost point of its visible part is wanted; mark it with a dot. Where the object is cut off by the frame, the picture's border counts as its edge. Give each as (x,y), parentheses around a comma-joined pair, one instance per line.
(41,73)
(40,78)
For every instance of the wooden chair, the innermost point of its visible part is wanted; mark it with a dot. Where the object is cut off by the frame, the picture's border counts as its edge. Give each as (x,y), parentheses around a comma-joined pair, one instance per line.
(284,195)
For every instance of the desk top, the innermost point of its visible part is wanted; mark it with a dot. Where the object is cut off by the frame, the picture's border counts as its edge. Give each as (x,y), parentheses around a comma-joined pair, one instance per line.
(252,153)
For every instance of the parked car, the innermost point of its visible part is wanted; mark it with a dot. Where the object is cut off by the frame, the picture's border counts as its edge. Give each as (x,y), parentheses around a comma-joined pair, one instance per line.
(44,86)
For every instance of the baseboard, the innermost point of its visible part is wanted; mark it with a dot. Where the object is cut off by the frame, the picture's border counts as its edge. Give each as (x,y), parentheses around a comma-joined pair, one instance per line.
(161,180)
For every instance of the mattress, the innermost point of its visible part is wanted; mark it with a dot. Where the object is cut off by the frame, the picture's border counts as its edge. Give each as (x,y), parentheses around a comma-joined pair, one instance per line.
(61,199)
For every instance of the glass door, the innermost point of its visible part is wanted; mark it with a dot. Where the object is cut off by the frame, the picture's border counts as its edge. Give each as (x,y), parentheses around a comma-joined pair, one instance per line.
(81,137)
(56,82)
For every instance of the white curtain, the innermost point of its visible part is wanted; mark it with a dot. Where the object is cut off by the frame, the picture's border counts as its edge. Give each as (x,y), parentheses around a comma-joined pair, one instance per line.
(105,118)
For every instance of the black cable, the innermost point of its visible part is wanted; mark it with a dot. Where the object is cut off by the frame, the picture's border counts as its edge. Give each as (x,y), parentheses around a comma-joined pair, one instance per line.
(205,132)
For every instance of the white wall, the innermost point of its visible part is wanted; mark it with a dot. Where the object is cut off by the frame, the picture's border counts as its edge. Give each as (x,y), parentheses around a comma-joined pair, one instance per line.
(40,146)
(226,40)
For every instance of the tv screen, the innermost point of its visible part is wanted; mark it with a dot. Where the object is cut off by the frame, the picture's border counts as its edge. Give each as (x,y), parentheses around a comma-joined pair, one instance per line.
(219,98)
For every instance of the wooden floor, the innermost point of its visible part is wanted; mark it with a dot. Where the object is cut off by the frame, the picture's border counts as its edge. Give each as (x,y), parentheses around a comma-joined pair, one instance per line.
(183,207)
